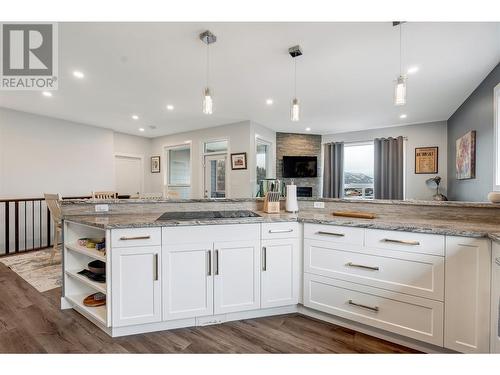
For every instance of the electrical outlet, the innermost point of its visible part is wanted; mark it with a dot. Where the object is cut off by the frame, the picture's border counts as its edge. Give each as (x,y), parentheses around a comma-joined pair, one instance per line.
(101,207)
(319,204)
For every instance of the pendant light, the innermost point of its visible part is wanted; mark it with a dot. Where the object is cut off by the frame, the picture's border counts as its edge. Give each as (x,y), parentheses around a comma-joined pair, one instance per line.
(295,51)
(208,38)
(400,83)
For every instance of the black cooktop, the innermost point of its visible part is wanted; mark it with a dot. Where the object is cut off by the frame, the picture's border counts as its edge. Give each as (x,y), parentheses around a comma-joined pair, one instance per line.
(207,215)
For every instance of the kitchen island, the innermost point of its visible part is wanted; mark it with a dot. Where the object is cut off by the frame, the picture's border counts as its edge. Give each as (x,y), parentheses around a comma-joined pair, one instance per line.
(385,277)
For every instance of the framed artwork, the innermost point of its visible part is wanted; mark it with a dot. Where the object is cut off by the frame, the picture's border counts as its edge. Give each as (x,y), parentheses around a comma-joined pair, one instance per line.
(426,160)
(239,160)
(465,161)
(155,164)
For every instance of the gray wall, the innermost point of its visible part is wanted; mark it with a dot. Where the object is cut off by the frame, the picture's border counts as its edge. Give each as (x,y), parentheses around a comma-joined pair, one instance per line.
(476,113)
(292,144)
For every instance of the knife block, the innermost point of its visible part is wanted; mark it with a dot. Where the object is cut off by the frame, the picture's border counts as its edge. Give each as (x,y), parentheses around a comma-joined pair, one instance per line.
(271,207)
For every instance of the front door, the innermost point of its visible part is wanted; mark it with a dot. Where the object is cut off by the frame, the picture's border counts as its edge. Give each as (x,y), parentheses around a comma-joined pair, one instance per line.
(215,176)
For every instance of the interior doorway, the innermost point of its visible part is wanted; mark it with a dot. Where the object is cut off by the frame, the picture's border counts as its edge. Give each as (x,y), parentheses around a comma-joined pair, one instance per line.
(129,175)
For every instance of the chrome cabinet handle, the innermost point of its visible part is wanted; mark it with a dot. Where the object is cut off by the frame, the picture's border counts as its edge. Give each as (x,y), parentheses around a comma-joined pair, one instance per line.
(216,270)
(135,238)
(330,234)
(264,259)
(155,267)
(371,308)
(209,262)
(404,242)
(280,230)
(373,268)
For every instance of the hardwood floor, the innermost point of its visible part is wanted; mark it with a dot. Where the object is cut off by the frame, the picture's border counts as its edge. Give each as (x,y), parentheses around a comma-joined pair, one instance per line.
(31,322)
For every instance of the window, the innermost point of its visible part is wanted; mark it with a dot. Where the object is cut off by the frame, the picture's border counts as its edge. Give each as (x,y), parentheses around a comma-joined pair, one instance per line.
(179,171)
(358,170)
(215,146)
(263,160)
(496,96)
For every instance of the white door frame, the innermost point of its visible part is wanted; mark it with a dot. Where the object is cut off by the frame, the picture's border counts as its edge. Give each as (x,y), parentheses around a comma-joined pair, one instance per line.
(164,157)
(228,162)
(130,156)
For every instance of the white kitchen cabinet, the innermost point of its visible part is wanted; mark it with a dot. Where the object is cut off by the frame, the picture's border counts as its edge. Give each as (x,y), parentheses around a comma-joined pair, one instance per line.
(280,272)
(136,285)
(236,276)
(467,294)
(187,281)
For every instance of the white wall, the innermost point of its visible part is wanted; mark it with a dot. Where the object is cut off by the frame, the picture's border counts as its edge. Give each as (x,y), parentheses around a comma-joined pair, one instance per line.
(238,134)
(42,154)
(419,135)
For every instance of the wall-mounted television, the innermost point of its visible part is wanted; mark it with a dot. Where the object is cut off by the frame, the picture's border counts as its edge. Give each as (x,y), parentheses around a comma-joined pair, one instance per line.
(300,166)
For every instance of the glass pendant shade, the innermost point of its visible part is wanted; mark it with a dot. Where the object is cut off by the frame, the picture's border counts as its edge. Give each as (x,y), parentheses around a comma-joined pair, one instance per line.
(295,110)
(400,91)
(207,102)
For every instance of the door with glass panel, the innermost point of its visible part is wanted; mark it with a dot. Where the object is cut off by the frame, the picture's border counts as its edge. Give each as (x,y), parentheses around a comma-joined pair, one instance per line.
(215,176)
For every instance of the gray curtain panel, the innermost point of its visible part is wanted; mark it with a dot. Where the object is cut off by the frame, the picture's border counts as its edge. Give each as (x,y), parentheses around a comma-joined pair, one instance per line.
(389,168)
(333,174)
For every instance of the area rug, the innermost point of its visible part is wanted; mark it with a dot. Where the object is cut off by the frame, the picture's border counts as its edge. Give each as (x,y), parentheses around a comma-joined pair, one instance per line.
(36,269)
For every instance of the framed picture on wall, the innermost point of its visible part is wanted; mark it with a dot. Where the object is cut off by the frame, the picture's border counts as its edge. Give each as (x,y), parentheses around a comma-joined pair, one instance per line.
(465,161)
(239,160)
(155,164)
(426,160)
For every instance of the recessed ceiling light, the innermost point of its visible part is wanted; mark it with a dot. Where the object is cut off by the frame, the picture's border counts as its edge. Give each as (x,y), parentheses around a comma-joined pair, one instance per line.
(412,69)
(403,116)
(141,129)
(170,107)
(269,101)
(78,74)
(308,129)
(135,117)
(48,94)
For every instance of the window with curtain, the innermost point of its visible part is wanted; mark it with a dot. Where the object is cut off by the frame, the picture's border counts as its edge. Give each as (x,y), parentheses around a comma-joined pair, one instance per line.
(263,160)
(358,170)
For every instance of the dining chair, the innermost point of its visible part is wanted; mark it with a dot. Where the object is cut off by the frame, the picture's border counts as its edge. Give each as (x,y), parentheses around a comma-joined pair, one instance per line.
(53,202)
(151,196)
(104,195)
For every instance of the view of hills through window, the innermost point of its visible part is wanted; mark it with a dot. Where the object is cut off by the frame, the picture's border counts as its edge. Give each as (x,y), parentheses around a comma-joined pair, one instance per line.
(358,170)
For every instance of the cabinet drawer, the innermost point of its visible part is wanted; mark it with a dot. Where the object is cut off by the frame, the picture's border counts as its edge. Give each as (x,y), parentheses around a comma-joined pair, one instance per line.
(417,274)
(130,237)
(334,233)
(405,241)
(418,318)
(280,230)
(191,234)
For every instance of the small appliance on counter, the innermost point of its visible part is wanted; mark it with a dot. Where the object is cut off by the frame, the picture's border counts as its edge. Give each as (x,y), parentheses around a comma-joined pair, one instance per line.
(291,198)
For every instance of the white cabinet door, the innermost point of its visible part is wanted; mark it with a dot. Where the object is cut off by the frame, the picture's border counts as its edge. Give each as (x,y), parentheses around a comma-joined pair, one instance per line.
(467,294)
(280,272)
(236,276)
(188,280)
(135,279)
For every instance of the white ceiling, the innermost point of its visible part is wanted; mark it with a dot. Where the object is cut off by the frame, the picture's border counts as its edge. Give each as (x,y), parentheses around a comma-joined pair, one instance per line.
(345,77)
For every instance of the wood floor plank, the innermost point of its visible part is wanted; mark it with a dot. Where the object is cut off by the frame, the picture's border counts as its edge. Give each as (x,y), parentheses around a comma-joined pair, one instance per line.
(32,322)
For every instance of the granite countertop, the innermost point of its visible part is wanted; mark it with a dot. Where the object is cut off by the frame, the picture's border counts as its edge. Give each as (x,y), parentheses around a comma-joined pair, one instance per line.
(312,199)
(435,226)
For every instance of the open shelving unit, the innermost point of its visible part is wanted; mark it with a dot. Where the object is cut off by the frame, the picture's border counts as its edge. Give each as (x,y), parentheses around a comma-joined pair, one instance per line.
(76,287)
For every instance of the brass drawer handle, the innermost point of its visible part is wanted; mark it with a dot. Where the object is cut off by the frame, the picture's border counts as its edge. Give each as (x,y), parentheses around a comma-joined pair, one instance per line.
(404,242)
(330,233)
(371,308)
(135,238)
(373,268)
